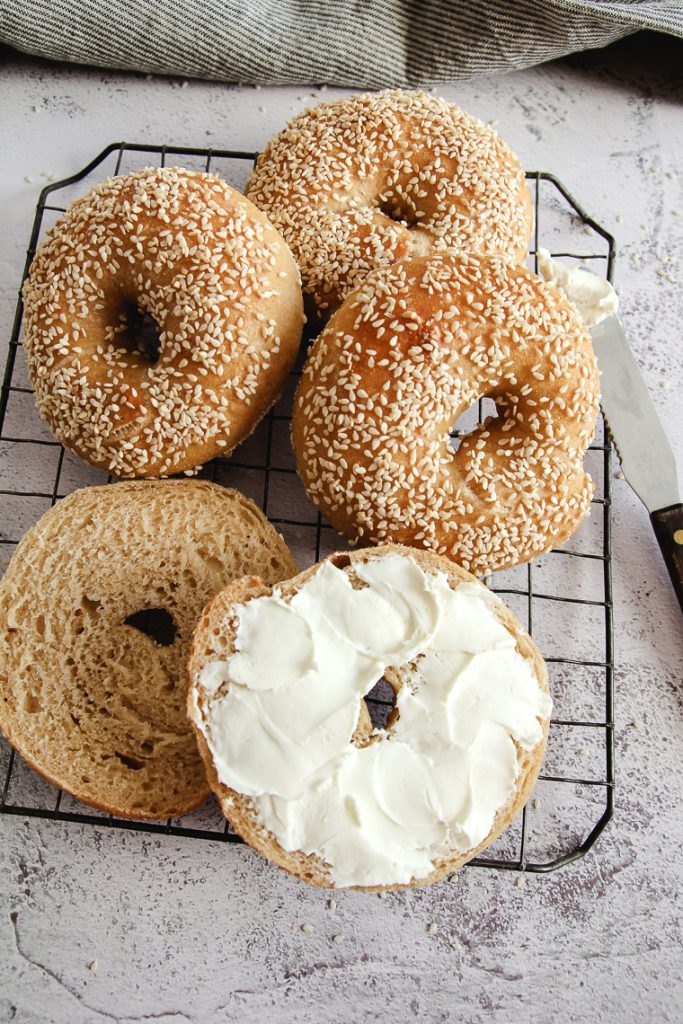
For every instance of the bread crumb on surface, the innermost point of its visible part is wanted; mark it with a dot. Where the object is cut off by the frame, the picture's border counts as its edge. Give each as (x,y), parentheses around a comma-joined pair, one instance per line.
(519,881)
(432,928)
(307,928)
(92,966)
(536,803)
(331,904)
(338,938)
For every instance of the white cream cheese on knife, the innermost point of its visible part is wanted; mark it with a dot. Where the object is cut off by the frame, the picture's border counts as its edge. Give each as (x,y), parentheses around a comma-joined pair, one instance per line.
(593,296)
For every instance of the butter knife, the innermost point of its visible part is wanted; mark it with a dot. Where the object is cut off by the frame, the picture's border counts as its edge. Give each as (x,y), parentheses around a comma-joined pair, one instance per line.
(647,460)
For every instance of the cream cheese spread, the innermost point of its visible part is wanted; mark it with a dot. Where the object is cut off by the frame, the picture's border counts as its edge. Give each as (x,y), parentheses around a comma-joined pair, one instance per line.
(280,713)
(593,296)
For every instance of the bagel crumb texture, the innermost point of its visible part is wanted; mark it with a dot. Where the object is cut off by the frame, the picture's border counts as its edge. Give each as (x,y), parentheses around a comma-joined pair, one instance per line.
(362,182)
(191,253)
(90,700)
(411,350)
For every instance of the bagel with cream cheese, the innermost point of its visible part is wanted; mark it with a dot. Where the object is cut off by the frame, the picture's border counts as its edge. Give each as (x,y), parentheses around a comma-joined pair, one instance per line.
(278,680)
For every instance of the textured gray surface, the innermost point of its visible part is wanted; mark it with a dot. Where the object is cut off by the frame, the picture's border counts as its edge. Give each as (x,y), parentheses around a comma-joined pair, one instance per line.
(97,925)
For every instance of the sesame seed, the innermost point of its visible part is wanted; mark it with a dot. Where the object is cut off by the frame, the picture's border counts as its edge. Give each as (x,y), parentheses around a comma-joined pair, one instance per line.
(376,405)
(307,928)
(439,179)
(338,938)
(202,265)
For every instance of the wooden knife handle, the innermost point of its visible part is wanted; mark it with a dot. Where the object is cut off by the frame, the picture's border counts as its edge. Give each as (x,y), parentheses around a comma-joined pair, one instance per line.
(668,527)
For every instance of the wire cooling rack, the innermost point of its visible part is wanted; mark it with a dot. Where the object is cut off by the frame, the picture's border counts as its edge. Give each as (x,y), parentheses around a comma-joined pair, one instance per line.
(563,598)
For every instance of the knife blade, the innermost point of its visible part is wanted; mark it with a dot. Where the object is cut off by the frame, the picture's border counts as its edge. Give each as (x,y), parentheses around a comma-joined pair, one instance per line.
(647,459)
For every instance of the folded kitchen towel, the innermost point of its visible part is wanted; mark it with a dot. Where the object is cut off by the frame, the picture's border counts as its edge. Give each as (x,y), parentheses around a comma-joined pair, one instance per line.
(370,43)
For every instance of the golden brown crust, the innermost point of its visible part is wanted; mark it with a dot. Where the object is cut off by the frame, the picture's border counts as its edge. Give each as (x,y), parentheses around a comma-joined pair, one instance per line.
(409,351)
(91,702)
(214,639)
(222,287)
(364,181)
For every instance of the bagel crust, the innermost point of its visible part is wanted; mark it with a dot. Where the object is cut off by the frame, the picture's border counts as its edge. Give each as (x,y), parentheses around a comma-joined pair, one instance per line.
(195,256)
(411,350)
(362,182)
(92,700)
(215,639)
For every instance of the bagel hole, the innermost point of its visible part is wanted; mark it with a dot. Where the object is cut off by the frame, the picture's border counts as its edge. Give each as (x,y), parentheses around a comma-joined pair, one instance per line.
(138,333)
(381,701)
(397,210)
(470,419)
(156,623)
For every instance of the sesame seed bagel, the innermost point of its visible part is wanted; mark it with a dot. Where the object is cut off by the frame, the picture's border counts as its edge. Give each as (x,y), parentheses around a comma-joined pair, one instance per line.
(218,638)
(409,351)
(365,181)
(195,256)
(92,694)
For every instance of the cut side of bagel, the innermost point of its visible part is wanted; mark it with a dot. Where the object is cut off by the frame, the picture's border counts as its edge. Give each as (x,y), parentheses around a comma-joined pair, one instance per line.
(97,611)
(216,641)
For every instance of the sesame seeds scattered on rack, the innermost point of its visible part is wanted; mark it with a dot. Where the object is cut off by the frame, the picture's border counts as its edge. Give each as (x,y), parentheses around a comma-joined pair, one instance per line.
(194,255)
(376,404)
(365,181)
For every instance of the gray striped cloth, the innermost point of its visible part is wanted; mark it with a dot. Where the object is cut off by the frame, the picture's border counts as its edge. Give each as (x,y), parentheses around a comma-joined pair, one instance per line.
(370,43)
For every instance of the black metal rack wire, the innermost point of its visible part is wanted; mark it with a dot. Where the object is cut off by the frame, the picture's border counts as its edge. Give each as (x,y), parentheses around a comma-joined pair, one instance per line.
(576,786)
